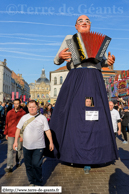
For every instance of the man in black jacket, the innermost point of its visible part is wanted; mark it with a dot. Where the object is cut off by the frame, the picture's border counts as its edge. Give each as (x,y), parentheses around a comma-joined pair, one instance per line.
(125,121)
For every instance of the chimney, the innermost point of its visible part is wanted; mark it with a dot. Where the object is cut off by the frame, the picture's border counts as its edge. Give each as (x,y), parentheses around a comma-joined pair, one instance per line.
(4,62)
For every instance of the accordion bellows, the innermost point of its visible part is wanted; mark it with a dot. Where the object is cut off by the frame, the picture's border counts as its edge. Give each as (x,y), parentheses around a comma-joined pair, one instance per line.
(88,47)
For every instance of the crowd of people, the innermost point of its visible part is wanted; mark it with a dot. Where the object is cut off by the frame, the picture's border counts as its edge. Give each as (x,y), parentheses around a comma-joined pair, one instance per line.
(43,108)
(14,117)
(120,118)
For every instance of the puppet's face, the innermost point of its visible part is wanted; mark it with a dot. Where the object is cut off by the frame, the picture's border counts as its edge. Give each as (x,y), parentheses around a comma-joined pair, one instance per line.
(83,24)
(88,102)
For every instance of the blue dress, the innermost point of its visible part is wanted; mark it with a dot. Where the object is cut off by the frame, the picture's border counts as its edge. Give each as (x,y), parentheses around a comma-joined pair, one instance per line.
(78,140)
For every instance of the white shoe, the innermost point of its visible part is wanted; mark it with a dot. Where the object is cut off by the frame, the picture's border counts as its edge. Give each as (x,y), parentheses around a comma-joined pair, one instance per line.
(125,142)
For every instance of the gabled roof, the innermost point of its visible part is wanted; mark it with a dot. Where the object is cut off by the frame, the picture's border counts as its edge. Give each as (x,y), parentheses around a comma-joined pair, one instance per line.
(106,69)
(17,78)
(62,68)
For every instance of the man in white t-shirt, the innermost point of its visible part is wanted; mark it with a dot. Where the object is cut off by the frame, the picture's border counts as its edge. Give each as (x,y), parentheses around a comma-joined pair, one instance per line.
(33,142)
(116,120)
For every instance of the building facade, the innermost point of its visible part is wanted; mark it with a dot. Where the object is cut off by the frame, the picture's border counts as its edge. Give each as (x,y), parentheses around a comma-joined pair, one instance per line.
(26,88)
(40,90)
(5,81)
(20,88)
(12,85)
(57,78)
(17,86)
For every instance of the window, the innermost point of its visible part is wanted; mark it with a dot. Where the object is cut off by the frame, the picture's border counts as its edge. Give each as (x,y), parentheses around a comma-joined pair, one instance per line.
(61,79)
(43,96)
(47,96)
(55,80)
(55,92)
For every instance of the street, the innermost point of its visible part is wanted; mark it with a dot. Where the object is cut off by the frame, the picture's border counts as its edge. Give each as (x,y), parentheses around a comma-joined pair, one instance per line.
(110,179)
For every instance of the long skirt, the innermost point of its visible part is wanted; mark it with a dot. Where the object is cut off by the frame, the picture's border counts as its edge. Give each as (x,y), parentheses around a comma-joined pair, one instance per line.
(76,139)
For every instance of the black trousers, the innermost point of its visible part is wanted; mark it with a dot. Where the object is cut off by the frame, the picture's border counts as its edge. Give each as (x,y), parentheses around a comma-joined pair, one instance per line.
(33,163)
(124,132)
(115,133)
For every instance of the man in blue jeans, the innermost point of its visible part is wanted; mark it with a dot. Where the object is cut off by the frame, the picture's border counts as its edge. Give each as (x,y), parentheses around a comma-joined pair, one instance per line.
(33,142)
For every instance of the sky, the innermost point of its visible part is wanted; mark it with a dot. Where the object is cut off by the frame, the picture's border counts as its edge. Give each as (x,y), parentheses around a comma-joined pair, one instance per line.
(31,31)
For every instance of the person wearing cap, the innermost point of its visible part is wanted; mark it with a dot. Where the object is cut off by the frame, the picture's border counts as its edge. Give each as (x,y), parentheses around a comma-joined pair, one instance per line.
(125,121)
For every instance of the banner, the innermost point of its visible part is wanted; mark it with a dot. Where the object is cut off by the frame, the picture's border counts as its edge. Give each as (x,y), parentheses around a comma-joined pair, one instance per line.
(120,88)
(24,98)
(17,94)
(12,95)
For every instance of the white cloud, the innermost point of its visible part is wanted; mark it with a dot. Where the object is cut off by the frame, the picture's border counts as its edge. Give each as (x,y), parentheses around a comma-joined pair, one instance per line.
(117,29)
(37,59)
(23,53)
(25,43)
(26,38)
(31,50)
(37,23)
(33,35)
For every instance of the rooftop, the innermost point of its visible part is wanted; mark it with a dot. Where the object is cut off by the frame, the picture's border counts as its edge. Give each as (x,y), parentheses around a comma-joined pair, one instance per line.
(43,78)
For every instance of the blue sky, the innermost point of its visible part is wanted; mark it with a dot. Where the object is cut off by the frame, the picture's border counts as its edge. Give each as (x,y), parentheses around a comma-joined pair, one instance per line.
(31,31)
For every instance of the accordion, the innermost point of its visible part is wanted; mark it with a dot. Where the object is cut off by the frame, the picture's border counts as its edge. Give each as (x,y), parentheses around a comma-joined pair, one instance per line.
(88,47)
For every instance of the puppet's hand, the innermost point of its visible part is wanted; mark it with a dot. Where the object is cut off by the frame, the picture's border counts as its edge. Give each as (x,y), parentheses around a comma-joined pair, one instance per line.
(111,59)
(65,55)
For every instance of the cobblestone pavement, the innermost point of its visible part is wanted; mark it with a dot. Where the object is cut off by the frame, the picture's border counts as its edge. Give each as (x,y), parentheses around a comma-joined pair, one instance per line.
(110,179)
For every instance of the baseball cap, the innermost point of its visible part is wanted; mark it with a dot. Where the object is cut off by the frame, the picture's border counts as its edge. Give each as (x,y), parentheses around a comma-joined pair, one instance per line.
(126,107)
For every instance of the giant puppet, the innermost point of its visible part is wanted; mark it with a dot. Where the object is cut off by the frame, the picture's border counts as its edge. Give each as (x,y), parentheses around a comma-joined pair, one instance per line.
(83,134)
